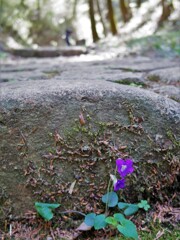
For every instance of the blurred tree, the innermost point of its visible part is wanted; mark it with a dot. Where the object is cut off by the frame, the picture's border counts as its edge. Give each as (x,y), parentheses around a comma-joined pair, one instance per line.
(101,18)
(93,22)
(44,22)
(42,29)
(111,17)
(125,10)
(23,4)
(74,12)
(167,8)
(1,12)
(38,10)
(70,12)
(9,25)
(138,3)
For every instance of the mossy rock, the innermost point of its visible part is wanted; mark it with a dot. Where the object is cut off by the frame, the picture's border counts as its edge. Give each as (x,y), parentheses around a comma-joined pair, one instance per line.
(120,121)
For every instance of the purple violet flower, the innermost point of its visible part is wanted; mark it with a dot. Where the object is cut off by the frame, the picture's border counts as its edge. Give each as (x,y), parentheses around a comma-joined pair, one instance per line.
(119,184)
(124,167)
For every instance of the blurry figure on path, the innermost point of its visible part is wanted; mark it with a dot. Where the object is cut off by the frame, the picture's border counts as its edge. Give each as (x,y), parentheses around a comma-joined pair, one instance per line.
(68,36)
(71,41)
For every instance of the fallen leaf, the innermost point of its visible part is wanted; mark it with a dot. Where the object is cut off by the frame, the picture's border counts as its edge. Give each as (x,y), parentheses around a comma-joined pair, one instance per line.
(83,227)
(72,187)
(81,119)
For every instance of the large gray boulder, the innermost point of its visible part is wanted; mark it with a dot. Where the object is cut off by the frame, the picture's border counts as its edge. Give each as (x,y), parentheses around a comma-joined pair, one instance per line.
(44,146)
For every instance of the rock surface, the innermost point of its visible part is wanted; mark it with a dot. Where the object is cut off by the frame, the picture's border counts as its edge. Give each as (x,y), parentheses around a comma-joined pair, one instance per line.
(40,98)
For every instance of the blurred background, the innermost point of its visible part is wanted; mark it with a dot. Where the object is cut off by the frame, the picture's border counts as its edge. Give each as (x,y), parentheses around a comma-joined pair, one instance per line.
(34,23)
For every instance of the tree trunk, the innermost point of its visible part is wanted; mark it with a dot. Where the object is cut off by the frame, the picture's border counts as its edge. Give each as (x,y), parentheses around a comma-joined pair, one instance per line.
(1,13)
(38,10)
(111,17)
(125,10)
(101,18)
(167,8)
(138,3)
(93,22)
(74,11)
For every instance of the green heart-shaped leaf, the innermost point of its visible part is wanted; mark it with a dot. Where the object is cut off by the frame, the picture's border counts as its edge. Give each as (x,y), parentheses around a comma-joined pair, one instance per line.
(45,209)
(111,199)
(112,221)
(128,229)
(89,219)
(122,205)
(100,222)
(130,210)
(46,213)
(119,217)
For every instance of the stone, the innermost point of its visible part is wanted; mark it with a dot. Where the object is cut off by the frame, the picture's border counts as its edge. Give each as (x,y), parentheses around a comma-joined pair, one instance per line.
(168,75)
(41,146)
(172,92)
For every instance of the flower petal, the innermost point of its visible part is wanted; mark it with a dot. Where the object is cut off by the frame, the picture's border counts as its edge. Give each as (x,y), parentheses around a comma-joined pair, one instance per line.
(120,184)
(124,167)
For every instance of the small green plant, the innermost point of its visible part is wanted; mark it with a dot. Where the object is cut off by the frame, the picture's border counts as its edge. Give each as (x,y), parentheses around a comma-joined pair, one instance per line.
(45,209)
(125,226)
(99,221)
(119,220)
(143,204)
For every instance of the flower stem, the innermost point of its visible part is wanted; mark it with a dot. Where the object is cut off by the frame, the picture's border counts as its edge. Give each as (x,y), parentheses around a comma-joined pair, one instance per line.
(109,185)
